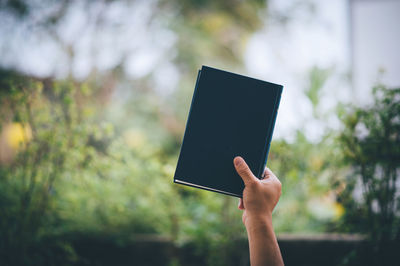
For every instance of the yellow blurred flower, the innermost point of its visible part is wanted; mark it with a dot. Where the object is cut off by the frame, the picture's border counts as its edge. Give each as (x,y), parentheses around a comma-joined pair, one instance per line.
(339,210)
(326,207)
(13,136)
(17,134)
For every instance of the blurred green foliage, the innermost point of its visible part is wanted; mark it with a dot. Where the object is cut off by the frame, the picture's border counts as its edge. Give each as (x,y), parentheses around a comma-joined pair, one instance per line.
(306,170)
(370,192)
(75,164)
(74,173)
(97,168)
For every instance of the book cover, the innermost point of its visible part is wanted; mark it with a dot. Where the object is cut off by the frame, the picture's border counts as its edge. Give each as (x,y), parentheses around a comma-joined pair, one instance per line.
(230,115)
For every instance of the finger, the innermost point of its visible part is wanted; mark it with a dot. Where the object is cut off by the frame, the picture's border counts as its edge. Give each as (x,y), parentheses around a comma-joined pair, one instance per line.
(244,171)
(267,173)
(241,205)
(269,176)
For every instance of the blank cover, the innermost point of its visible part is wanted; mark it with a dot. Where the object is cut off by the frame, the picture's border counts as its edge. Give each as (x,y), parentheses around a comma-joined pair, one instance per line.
(230,115)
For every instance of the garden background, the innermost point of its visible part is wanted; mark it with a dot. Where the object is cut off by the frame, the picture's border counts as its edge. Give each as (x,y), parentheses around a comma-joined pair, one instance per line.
(94,97)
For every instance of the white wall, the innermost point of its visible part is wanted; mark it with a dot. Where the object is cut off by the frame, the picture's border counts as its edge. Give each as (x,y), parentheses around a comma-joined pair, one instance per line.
(375,35)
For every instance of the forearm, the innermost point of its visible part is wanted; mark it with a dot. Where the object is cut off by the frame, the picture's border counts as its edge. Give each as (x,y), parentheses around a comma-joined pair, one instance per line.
(264,248)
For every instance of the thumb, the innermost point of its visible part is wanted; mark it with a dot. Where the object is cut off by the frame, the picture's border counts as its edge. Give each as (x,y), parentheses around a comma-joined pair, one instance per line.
(243,170)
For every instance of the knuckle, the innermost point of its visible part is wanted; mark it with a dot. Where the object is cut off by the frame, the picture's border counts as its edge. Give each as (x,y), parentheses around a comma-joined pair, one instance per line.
(243,171)
(267,173)
(243,167)
(251,184)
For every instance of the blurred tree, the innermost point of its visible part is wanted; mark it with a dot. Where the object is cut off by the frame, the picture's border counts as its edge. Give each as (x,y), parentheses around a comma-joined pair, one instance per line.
(71,175)
(371,145)
(102,151)
(306,169)
(27,182)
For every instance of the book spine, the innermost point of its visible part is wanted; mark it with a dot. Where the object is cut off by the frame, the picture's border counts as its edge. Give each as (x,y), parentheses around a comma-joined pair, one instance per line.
(190,110)
(271,130)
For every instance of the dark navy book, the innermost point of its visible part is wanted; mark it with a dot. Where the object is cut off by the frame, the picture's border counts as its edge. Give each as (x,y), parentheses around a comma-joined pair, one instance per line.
(230,115)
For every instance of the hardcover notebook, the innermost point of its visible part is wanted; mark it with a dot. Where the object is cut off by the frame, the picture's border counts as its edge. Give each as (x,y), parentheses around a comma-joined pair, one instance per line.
(230,115)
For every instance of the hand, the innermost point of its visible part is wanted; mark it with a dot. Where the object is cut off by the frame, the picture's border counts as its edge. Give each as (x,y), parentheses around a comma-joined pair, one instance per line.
(259,200)
(259,196)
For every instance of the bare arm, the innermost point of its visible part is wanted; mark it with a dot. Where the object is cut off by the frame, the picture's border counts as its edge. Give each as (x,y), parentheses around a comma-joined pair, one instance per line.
(259,200)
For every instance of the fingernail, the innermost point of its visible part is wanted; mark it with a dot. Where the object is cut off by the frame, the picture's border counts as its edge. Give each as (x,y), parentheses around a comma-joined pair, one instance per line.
(237,160)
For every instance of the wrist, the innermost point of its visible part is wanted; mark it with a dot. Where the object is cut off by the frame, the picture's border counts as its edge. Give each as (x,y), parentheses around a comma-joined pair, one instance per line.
(257,220)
